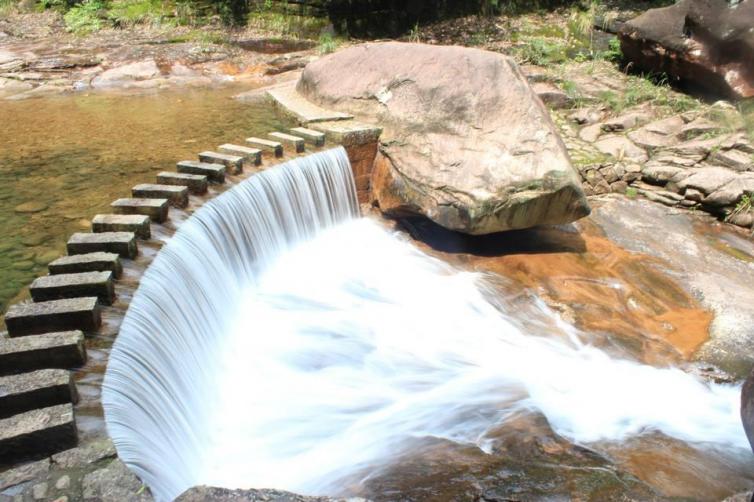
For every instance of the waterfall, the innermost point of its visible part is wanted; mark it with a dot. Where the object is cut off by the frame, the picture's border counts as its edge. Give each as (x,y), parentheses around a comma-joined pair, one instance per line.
(280,341)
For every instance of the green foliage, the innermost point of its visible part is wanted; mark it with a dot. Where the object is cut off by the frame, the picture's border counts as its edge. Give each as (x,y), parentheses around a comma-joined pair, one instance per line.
(743,206)
(540,51)
(651,89)
(631,192)
(414,35)
(85,17)
(327,43)
(132,12)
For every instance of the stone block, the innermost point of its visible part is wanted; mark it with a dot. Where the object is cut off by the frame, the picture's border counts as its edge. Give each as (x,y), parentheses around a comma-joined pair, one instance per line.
(311,136)
(176,195)
(348,132)
(136,223)
(122,243)
(214,172)
(294,142)
(56,315)
(274,147)
(36,389)
(63,350)
(37,433)
(89,262)
(196,183)
(251,155)
(156,209)
(59,286)
(233,163)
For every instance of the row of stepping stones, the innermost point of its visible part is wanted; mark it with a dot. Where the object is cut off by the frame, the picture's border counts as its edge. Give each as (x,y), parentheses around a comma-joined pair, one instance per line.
(46,337)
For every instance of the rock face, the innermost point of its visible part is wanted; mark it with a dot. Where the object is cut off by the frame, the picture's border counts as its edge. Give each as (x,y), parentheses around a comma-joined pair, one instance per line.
(747,408)
(202,493)
(476,155)
(708,43)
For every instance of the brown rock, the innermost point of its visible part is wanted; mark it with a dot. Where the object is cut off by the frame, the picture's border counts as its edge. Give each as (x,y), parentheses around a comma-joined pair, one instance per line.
(477,155)
(708,43)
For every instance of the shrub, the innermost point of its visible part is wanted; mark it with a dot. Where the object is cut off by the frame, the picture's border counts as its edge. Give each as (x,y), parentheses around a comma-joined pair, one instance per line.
(85,17)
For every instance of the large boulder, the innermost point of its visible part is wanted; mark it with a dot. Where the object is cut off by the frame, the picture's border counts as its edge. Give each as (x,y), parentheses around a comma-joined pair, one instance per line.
(466,142)
(706,43)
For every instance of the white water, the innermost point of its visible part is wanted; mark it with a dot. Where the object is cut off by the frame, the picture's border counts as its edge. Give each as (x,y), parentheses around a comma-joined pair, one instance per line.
(279,341)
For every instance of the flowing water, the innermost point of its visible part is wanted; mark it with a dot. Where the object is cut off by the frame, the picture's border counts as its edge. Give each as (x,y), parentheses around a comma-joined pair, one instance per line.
(280,340)
(64,159)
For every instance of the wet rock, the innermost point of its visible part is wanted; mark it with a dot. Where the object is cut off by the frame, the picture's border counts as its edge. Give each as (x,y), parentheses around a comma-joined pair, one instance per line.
(707,43)
(88,453)
(129,75)
(114,482)
(24,473)
(621,148)
(475,155)
(30,207)
(203,493)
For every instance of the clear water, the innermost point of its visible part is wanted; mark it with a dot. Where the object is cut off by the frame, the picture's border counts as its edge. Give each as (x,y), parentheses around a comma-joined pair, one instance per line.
(71,156)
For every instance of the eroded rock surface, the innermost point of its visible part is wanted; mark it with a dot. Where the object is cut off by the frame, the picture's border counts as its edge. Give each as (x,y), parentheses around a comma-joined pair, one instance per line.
(706,42)
(477,155)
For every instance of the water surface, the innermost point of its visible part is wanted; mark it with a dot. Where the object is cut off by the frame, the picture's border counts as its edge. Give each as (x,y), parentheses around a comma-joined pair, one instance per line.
(64,159)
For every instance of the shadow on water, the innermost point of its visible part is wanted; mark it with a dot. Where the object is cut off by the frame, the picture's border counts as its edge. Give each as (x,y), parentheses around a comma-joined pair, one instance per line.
(542,240)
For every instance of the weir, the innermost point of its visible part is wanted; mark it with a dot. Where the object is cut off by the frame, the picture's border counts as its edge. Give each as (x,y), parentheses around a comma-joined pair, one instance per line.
(279,340)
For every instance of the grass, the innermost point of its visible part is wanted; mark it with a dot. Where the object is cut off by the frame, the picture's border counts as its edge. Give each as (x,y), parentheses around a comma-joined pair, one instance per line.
(327,43)
(743,206)
(86,17)
(631,193)
(132,12)
(287,25)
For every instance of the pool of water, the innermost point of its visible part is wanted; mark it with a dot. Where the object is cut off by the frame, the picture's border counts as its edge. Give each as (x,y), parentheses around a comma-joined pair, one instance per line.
(64,159)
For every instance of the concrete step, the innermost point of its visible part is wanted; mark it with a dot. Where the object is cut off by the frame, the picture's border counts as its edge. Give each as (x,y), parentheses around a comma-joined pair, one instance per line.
(233,163)
(123,243)
(311,136)
(64,350)
(89,262)
(214,172)
(266,145)
(56,315)
(196,183)
(37,434)
(287,139)
(37,389)
(136,223)
(176,195)
(251,155)
(156,209)
(57,287)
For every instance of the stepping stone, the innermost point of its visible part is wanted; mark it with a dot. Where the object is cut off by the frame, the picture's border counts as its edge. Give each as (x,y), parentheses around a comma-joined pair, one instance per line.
(266,146)
(123,243)
(136,223)
(214,172)
(156,209)
(57,315)
(89,262)
(64,349)
(311,136)
(233,163)
(252,155)
(287,139)
(196,183)
(37,389)
(176,195)
(37,434)
(57,287)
